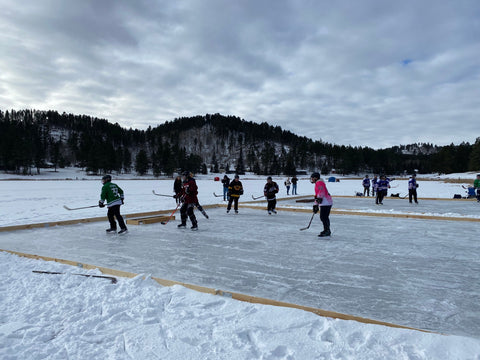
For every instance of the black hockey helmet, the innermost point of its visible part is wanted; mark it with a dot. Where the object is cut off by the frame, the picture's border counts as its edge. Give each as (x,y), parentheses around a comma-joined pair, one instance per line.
(269,178)
(237,177)
(315,175)
(106,178)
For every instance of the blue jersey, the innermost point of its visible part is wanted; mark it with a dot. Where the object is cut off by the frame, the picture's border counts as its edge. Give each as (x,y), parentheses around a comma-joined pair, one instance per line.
(383,184)
(412,183)
(366,182)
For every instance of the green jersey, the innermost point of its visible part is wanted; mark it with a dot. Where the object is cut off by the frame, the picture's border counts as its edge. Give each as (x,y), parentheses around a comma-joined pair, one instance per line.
(476,184)
(112,194)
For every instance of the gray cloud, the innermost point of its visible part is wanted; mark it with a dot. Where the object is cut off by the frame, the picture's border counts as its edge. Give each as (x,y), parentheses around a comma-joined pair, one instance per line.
(370,73)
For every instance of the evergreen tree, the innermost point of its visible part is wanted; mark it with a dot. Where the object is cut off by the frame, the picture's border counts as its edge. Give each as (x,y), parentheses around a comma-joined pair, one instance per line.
(141,162)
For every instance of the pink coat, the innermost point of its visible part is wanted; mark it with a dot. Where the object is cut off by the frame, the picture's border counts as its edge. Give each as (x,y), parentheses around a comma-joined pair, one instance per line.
(321,192)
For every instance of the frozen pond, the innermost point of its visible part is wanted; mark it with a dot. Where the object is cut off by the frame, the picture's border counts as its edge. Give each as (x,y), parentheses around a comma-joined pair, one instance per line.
(419,273)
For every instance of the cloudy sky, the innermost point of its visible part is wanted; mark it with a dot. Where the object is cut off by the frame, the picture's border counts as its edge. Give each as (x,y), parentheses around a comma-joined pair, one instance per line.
(365,73)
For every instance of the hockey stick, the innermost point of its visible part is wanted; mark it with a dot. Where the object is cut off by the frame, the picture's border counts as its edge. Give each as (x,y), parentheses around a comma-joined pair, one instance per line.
(83,207)
(171,215)
(256,198)
(217,195)
(154,193)
(305,228)
(200,208)
(111,278)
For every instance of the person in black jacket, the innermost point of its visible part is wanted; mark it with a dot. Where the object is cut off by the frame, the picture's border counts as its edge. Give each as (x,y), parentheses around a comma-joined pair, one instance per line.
(177,188)
(270,189)
(235,189)
(225,182)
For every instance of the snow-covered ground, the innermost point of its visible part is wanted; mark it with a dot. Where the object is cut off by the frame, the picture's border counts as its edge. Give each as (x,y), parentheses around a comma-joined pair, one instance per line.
(413,272)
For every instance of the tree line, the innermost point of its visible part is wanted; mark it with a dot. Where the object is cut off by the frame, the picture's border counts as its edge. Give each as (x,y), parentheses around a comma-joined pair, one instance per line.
(32,139)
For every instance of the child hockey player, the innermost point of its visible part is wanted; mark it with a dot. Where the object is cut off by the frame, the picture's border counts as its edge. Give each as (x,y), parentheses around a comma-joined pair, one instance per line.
(324,201)
(270,189)
(113,194)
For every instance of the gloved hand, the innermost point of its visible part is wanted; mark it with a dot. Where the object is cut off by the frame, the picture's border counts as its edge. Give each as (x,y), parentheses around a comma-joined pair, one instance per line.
(318,200)
(123,201)
(315,208)
(101,204)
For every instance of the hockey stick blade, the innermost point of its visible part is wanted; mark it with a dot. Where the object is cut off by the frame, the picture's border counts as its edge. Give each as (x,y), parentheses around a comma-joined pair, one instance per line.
(83,207)
(217,195)
(310,223)
(157,194)
(256,198)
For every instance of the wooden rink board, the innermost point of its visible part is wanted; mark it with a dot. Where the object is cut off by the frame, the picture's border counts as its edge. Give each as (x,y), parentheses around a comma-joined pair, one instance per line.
(148,220)
(232,295)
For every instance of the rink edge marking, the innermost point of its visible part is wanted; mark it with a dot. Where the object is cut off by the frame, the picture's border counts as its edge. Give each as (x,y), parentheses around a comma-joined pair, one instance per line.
(232,295)
(90,220)
(361,213)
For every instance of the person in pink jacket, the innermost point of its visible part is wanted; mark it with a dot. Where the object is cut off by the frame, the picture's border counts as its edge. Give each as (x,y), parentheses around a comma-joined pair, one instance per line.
(323,202)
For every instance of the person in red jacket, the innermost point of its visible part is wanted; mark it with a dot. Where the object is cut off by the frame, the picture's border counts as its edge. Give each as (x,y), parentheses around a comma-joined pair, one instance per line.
(188,196)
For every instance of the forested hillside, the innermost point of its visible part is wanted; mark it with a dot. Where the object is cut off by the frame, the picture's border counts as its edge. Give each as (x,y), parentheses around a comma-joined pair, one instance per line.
(30,140)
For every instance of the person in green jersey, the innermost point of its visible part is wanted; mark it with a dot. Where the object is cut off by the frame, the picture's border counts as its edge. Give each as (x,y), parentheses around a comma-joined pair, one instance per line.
(476,185)
(113,195)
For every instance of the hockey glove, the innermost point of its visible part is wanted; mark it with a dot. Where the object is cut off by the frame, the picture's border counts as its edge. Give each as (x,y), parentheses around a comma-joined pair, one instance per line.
(318,200)
(101,204)
(315,209)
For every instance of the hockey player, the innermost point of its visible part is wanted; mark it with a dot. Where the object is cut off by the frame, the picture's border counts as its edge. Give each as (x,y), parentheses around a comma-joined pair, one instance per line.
(113,194)
(270,189)
(382,188)
(235,189)
(366,185)
(188,196)
(323,201)
(476,185)
(412,189)
(374,185)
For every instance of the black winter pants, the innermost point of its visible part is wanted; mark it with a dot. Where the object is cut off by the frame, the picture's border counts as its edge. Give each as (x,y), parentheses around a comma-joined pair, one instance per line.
(412,193)
(325,216)
(187,211)
(271,204)
(233,199)
(114,212)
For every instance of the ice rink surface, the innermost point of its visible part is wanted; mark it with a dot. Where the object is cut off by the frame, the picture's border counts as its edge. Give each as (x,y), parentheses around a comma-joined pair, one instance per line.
(418,273)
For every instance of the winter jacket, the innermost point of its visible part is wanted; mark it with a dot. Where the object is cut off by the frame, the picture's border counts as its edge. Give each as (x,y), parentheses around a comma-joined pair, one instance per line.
(476,183)
(412,183)
(112,194)
(226,181)
(270,190)
(235,189)
(189,191)
(322,193)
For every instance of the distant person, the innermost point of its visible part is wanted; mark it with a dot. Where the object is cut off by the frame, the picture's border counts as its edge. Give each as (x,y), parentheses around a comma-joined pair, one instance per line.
(412,189)
(225,182)
(323,201)
(382,188)
(189,198)
(113,195)
(366,185)
(294,185)
(476,185)
(270,190)
(177,188)
(374,185)
(235,190)
(288,183)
